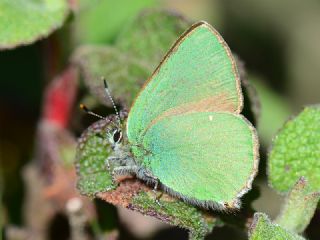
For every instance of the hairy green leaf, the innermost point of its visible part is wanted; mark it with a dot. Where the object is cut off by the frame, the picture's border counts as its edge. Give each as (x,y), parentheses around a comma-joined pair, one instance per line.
(299,207)
(92,153)
(97,22)
(178,213)
(262,228)
(124,75)
(23,22)
(150,36)
(296,152)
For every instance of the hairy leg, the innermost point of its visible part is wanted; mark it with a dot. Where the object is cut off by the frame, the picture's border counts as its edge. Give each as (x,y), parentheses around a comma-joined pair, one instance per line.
(125,170)
(113,162)
(142,174)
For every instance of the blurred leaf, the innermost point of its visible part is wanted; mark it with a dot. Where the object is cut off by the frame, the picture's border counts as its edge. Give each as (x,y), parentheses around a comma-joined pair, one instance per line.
(55,151)
(124,74)
(23,22)
(262,228)
(100,20)
(296,152)
(299,207)
(55,144)
(94,179)
(137,51)
(274,110)
(43,199)
(59,98)
(150,36)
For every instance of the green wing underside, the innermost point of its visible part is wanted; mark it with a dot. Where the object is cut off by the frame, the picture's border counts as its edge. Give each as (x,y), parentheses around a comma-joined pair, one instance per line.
(204,155)
(187,118)
(198,74)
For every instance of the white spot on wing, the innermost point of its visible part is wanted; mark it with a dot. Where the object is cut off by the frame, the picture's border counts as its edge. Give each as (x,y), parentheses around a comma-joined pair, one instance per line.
(210,117)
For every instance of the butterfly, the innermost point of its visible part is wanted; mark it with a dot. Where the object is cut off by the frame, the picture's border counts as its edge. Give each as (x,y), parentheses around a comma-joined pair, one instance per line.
(184,132)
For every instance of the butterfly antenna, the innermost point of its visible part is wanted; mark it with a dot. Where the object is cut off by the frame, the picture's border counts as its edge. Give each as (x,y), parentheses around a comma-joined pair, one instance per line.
(84,108)
(106,88)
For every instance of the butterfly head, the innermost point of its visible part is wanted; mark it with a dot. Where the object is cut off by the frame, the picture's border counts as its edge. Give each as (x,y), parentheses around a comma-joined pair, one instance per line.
(114,122)
(115,137)
(114,129)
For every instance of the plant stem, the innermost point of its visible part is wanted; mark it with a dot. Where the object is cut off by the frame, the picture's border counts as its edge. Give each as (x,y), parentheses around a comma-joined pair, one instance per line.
(299,207)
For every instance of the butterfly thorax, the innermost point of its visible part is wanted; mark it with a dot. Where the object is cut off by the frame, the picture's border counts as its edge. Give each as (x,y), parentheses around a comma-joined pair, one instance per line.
(121,155)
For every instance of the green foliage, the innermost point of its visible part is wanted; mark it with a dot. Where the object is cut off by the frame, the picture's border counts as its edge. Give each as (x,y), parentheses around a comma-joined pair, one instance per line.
(299,207)
(97,23)
(262,228)
(296,152)
(91,156)
(23,22)
(136,53)
(178,213)
(294,167)
(150,36)
(122,72)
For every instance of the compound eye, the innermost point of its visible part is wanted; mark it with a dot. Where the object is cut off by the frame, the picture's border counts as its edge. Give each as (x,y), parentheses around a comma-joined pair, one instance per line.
(117,136)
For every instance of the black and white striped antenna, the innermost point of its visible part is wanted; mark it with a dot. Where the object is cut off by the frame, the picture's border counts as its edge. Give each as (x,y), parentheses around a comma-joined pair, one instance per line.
(106,88)
(83,107)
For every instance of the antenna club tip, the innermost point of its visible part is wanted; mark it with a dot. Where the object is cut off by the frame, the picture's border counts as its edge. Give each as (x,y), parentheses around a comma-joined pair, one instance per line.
(83,107)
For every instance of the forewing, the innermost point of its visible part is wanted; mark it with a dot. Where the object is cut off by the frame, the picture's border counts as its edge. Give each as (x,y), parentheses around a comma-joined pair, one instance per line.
(211,157)
(197,74)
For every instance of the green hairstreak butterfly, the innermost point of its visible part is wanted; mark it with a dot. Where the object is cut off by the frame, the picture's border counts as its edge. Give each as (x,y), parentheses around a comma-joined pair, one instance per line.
(184,132)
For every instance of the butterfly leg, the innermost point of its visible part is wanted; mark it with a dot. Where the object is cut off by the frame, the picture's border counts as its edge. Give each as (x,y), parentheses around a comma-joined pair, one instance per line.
(115,167)
(115,162)
(125,170)
(111,162)
(107,164)
(150,178)
(156,196)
